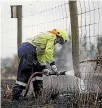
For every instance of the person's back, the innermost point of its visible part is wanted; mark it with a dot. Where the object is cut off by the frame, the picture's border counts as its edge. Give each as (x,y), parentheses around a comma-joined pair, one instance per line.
(44,43)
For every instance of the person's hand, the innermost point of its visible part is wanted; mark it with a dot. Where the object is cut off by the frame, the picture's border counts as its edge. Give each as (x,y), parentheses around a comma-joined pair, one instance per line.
(46,72)
(54,69)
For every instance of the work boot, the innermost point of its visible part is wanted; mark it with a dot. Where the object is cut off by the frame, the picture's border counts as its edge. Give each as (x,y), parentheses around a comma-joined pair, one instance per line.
(16,92)
(38,87)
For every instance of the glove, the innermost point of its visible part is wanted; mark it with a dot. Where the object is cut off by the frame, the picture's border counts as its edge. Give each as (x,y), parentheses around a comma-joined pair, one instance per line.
(54,68)
(46,71)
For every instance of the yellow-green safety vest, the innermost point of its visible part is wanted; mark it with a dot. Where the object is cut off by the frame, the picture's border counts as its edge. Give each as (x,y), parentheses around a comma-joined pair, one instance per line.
(44,43)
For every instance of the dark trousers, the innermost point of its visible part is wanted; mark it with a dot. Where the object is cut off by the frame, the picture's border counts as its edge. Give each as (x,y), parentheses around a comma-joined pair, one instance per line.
(28,64)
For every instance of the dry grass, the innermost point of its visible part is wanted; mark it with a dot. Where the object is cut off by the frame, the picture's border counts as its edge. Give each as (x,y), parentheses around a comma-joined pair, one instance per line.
(53,98)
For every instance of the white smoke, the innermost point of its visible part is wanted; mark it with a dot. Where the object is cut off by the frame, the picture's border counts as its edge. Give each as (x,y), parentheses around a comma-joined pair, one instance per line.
(58,47)
(80,81)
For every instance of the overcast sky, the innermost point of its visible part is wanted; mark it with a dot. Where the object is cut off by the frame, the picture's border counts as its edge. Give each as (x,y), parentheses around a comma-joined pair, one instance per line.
(33,14)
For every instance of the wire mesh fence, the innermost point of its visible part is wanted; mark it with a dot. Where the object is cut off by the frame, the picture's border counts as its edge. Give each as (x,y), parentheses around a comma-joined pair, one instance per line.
(89,25)
(41,16)
(90,33)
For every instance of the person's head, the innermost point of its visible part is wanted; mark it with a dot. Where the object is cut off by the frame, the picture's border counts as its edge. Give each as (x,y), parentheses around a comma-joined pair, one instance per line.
(61,36)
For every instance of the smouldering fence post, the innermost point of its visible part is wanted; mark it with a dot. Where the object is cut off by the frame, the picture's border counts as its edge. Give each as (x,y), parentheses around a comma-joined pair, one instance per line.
(75,36)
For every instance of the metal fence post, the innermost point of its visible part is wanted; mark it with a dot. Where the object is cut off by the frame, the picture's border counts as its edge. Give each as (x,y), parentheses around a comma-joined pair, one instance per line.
(19,25)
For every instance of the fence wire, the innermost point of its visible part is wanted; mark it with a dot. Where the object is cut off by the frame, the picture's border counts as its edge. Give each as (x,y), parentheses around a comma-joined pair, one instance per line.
(41,16)
(89,26)
(89,16)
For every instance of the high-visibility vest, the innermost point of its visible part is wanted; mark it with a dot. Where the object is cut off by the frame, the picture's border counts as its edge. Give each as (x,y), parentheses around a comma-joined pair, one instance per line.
(44,43)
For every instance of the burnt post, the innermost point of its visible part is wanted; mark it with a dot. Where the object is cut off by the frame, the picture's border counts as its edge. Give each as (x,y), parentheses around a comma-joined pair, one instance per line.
(75,36)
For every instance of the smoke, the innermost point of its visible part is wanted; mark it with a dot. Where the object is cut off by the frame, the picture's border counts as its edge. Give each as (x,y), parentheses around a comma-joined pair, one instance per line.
(58,47)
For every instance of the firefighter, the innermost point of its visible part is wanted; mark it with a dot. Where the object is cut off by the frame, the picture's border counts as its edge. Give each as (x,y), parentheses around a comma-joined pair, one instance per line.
(34,55)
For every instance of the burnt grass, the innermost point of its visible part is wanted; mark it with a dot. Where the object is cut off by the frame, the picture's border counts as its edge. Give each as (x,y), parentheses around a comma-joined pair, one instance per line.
(51,98)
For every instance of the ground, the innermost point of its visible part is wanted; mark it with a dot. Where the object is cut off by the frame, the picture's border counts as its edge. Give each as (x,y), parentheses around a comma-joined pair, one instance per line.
(66,100)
